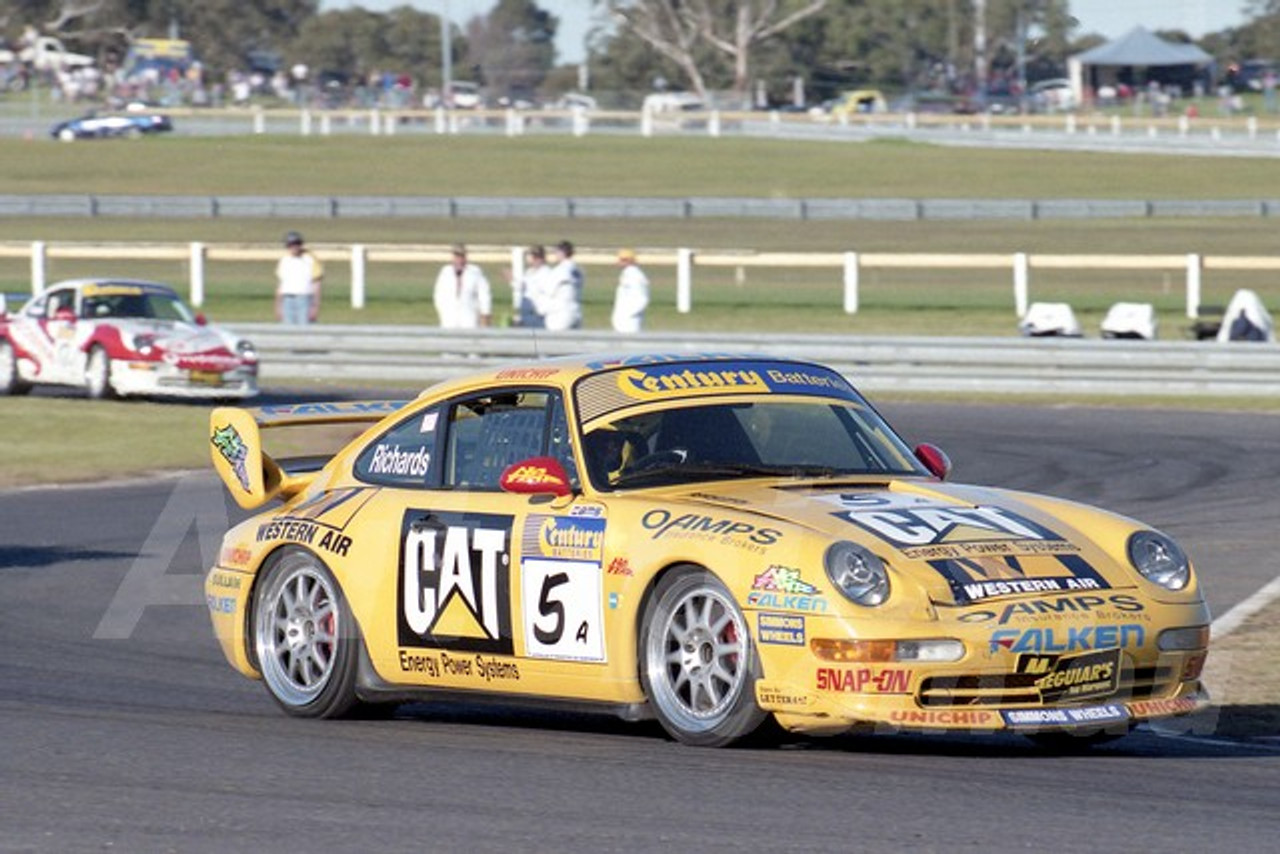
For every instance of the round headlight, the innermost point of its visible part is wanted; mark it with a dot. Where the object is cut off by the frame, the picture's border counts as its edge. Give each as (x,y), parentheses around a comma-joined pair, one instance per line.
(857,573)
(1159,559)
(246,350)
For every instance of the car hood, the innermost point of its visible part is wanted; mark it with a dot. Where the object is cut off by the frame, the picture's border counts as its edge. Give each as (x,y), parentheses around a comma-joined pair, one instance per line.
(963,544)
(180,342)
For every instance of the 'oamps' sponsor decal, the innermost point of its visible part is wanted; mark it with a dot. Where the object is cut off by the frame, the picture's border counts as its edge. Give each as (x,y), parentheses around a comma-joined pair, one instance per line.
(391,460)
(1069,638)
(1106,714)
(694,526)
(1061,607)
(454,590)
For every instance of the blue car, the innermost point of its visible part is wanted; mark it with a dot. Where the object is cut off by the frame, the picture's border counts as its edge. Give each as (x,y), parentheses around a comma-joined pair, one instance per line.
(102,127)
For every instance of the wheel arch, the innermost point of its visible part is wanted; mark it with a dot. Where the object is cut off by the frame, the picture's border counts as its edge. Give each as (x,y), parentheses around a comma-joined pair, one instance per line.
(269,560)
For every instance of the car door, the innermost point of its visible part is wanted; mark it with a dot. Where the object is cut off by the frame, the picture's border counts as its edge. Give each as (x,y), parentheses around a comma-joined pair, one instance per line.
(486,589)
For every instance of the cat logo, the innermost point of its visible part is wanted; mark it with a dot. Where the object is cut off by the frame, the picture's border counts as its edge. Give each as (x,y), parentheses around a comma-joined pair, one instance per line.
(454,582)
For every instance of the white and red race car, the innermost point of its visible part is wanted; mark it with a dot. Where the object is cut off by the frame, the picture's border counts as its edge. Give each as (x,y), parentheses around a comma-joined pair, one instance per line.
(117,337)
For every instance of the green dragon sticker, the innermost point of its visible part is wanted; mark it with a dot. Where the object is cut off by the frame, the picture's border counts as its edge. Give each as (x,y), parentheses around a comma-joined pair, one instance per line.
(233,449)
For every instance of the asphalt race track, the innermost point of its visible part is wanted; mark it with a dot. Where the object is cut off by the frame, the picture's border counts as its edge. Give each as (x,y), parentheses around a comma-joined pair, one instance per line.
(121,728)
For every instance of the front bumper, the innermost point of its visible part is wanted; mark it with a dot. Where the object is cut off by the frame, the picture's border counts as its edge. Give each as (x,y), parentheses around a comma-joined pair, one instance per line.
(161,378)
(1052,678)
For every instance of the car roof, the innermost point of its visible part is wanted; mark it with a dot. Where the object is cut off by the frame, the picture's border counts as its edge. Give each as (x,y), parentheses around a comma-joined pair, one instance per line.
(141,284)
(564,371)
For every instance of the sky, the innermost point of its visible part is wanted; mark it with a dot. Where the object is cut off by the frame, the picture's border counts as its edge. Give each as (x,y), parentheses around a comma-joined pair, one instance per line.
(1109,18)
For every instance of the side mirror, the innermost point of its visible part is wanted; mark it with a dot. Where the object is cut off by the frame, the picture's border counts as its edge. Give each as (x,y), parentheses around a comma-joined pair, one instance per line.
(536,476)
(934,459)
(201,320)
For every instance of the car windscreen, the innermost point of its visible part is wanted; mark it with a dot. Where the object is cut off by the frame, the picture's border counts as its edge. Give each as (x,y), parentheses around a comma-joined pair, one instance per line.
(773,437)
(136,304)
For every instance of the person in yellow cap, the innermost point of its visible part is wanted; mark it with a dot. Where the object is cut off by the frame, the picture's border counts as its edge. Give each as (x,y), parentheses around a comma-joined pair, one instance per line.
(632,296)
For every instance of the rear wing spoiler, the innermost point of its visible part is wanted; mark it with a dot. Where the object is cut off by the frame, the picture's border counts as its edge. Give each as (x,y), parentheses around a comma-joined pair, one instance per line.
(251,476)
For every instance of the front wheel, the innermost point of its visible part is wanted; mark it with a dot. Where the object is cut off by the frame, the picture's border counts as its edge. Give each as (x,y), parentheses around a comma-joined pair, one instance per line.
(10,381)
(305,638)
(697,662)
(97,375)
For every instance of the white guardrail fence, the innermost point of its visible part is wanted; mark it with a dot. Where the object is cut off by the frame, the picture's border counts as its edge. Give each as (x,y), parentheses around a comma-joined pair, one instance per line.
(418,355)
(849,266)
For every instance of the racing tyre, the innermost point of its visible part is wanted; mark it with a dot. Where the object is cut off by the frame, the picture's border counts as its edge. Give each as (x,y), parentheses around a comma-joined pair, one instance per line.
(305,638)
(697,662)
(10,383)
(97,375)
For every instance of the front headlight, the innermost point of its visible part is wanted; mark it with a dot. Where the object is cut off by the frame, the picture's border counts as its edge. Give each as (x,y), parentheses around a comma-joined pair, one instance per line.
(857,573)
(1159,559)
(246,350)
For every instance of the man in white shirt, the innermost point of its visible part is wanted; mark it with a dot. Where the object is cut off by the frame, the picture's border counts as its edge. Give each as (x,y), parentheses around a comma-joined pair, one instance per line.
(563,307)
(532,289)
(462,296)
(298,278)
(632,296)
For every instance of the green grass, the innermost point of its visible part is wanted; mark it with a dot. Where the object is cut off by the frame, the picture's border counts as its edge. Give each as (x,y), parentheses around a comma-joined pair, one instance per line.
(612,166)
(107,443)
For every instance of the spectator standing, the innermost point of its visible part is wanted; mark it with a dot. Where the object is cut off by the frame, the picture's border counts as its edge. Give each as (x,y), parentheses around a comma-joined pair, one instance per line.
(462,296)
(531,291)
(562,308)
(632,296)
(299,275)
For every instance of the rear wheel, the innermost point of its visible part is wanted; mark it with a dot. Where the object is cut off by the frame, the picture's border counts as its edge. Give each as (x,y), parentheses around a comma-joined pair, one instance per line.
(97,375)
(697,662)
(305,638)
(10,382)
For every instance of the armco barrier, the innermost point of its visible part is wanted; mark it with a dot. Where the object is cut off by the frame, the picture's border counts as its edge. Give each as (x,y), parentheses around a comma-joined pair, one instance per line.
(587,207)
(415,355)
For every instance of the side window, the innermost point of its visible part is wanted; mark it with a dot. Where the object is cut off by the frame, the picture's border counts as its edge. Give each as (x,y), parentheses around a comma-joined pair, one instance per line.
(403,456)
(59,301)
(490,432)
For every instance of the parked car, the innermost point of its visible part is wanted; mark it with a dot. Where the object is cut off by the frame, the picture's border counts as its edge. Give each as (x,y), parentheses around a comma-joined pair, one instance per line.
(1054,95)
(707,539)
(115,337)
(130,125)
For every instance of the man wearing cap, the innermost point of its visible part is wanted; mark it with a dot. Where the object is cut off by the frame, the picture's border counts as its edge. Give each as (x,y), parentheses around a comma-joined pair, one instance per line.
(298,278)
(462,296)
(632,296)
(563,306)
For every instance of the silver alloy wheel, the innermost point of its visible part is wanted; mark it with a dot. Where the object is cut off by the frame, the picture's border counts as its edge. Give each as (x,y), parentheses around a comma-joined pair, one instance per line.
(97,374)
(297,627)
(697,657)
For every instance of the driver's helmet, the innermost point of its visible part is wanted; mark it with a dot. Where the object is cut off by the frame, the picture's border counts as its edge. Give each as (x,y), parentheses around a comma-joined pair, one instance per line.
(608,450)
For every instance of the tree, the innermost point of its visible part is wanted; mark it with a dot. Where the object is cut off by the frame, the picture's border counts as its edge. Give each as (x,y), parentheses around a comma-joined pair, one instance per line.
(514,46)
(735,27)
(354,43)
(671,27)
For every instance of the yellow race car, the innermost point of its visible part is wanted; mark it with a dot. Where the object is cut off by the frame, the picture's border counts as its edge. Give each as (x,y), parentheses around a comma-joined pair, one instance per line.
(706,539)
